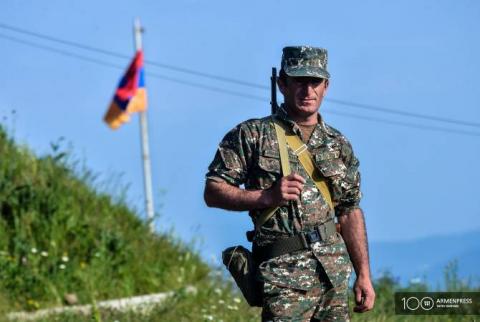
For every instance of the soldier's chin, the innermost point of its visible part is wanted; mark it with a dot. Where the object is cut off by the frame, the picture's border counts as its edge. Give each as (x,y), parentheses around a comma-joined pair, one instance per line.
(307,105)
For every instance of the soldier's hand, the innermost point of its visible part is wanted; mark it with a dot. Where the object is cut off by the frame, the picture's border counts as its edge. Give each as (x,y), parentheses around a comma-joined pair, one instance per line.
(364,295)
(286,189)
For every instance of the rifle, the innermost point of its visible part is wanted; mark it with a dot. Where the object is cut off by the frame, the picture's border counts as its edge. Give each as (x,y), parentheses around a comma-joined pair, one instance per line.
(273,88)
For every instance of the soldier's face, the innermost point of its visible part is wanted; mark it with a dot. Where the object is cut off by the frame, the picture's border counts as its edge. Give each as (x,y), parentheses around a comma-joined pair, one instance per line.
(304,94)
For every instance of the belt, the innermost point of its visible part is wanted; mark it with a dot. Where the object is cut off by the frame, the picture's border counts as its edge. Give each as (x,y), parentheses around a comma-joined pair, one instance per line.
(297,242)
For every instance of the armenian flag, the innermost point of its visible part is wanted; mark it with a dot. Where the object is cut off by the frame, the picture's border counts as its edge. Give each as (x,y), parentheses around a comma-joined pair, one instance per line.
(130,96)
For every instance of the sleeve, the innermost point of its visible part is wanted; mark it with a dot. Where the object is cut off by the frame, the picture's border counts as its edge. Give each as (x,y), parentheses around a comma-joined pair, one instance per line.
(349,185)
(232,158)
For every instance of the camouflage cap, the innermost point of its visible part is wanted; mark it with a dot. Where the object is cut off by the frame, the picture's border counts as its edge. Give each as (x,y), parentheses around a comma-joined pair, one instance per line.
(305,61)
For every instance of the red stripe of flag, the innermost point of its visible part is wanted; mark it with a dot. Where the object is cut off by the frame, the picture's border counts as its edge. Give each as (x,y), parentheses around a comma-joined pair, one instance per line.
(130,96)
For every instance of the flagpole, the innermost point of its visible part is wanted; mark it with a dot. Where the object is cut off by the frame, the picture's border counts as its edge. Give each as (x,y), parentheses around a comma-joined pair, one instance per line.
(147,172)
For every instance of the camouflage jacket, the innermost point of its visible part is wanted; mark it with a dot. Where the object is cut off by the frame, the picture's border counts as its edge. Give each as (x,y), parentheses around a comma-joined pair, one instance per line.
(248,155)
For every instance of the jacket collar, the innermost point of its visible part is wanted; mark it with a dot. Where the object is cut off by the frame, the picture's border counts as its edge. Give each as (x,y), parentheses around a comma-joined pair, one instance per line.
(282,114)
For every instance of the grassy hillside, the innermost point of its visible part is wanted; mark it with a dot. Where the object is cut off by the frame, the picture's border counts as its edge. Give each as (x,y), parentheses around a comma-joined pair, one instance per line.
(59,235)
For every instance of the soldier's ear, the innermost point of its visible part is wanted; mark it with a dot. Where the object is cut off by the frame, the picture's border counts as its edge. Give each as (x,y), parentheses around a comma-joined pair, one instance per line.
(281,85)
(327,82)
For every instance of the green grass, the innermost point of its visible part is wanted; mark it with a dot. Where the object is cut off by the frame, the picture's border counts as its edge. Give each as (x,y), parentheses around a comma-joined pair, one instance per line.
(60,234)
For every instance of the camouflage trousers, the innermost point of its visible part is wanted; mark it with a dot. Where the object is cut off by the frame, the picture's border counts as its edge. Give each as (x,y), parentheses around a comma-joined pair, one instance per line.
(307,286)
(322,303)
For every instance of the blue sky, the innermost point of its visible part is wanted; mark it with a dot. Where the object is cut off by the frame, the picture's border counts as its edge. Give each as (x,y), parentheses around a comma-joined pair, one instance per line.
(412,56)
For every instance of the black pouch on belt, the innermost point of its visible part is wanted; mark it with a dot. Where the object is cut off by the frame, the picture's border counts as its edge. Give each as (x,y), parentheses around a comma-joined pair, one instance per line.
(240,263)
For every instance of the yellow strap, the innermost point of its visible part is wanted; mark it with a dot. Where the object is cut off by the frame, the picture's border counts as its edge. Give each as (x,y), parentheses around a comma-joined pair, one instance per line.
(285,163)
(306,159)
(282,146)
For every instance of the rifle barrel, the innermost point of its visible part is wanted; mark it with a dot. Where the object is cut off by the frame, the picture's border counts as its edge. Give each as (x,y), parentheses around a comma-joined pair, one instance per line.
(273,86)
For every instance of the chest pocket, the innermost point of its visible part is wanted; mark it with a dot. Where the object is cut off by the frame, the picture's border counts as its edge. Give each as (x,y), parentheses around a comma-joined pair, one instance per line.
(329,163)
(334,167)
(269,161)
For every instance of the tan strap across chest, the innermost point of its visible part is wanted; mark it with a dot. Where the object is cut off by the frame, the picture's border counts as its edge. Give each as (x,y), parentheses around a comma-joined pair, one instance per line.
(305,158)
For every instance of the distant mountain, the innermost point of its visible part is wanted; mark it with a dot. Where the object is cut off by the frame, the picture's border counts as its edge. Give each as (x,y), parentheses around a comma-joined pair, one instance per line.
(425,259)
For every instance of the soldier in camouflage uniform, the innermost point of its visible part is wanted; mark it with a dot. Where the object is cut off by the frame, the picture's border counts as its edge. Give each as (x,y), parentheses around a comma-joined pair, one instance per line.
(309,284)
